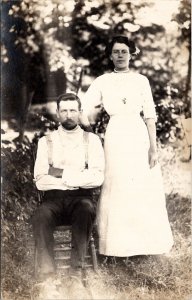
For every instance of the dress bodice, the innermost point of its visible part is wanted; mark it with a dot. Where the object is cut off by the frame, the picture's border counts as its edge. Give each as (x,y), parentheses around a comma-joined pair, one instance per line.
(123,97)
(121,94)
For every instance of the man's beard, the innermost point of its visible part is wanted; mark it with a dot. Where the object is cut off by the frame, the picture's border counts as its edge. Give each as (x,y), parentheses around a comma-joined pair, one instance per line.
(69,124)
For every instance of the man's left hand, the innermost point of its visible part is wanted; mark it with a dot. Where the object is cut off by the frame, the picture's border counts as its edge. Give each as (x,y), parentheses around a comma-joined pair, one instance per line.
(56,172)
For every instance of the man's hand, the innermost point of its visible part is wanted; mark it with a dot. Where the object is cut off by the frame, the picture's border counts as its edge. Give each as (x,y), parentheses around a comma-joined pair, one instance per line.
(153,158)
(56,172)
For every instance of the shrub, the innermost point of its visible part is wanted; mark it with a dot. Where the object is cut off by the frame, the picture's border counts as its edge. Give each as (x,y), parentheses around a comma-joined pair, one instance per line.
(19,199)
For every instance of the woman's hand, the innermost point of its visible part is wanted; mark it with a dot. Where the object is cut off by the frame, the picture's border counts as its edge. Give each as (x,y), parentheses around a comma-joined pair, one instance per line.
(153,157)
(83,119)
(92,117)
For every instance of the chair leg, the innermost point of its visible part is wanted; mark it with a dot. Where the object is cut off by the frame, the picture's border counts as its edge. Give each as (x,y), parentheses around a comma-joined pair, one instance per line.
(93,254)
(84,277)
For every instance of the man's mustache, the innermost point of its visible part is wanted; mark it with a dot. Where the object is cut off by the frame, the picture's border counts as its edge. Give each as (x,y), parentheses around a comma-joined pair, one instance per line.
(69,120)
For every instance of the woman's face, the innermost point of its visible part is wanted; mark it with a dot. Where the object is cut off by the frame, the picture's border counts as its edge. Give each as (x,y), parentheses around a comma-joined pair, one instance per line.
(120,56)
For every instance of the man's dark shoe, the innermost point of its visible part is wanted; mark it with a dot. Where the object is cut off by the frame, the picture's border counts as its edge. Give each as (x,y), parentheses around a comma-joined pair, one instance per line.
(75,273)
(46,268)
(77,288)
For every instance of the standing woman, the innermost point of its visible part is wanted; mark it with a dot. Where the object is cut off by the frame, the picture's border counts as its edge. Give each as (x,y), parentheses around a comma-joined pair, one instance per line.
(132,217)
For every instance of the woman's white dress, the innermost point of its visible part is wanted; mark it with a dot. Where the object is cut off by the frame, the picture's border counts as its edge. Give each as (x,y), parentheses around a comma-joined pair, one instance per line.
(132,217)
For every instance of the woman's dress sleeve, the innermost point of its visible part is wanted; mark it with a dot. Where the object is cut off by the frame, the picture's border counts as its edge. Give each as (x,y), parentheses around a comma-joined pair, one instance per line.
(148,103)
(92,99)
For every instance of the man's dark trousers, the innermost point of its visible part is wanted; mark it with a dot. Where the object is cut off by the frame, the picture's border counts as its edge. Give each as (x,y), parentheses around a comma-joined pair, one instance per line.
(70,207)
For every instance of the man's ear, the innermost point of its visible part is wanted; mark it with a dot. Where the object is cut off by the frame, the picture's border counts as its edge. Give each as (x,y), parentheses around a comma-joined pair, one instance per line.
(57,113)
(110,57)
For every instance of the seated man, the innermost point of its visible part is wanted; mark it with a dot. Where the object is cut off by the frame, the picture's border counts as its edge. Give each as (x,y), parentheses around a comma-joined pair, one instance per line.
(68,183)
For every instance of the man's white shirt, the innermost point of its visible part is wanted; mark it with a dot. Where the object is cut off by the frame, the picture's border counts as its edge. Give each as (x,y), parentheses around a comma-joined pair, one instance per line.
(68,153)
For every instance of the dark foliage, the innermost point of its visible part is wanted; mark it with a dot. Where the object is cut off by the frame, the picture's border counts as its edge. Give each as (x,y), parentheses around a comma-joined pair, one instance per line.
(19,201)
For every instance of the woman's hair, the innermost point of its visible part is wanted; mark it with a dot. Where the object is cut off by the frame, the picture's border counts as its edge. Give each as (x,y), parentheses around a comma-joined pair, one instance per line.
(122,40)
(68,97)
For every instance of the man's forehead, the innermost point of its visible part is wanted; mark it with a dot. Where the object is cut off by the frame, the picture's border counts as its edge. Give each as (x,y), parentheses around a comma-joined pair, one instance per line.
(69,104)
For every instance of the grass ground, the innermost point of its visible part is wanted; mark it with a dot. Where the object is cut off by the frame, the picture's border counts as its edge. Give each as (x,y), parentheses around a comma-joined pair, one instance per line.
(165,277)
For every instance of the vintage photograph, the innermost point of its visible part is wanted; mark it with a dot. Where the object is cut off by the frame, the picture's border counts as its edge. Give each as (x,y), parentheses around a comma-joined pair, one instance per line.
(96,150)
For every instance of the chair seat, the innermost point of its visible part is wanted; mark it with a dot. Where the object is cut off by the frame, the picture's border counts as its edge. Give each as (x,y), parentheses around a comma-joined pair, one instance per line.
(63,228)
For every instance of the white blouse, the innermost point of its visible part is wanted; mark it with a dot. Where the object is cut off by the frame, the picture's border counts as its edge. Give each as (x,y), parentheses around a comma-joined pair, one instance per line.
(120,93)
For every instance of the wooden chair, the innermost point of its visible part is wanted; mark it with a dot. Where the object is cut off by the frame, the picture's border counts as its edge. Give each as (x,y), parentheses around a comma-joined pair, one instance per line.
(62,251)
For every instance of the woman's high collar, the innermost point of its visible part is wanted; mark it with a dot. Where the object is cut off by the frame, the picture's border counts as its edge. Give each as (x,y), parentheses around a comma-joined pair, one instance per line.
(123,71)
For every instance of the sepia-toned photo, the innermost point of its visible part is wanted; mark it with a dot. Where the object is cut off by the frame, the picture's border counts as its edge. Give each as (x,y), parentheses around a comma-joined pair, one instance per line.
(96,150)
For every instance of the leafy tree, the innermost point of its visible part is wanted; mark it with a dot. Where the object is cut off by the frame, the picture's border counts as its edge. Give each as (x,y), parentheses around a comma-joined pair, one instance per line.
(23,61)
(70,35)
(94,24)
(183,18)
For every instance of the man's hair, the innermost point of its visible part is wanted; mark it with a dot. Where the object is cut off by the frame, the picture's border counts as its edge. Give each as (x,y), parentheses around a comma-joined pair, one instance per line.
(68,97)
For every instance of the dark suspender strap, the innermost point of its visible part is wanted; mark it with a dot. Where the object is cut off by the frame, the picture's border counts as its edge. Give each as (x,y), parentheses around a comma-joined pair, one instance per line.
(86,144)
(49,149)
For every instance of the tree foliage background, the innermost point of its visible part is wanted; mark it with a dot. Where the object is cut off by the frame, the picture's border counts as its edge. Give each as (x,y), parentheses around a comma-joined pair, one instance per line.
(47,43)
